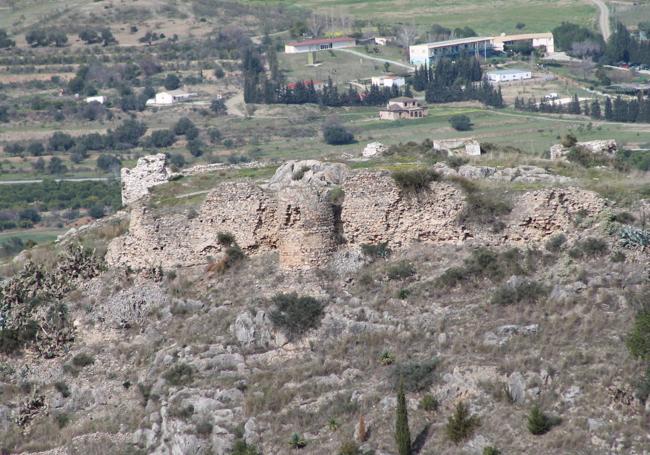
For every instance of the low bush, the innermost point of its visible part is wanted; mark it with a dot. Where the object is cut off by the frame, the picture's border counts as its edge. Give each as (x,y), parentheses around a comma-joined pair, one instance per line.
(429,403)
(416,376)
(337,135)
(179,374)
(376,251)
(485,208)
(349,448)
(225,238)
(295,315)
(523,291)
(555,242)
(415,180)
(400,270)
(83,360)
(590,247)
(461,424)
(484,263)
(491,450)
(240,447)
(181,412)
(540,423)
(297,441)
(204,428)
(638,340)
(62,388)
(460,122)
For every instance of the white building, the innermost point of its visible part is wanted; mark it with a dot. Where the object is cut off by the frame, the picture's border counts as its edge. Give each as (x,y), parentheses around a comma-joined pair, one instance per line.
(170,97)
(320,44)
(509,75)
(96,99)
(388,81)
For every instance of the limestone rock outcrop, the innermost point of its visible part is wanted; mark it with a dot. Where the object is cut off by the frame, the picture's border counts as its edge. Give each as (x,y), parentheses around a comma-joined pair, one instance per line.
(519,174)
(462,146)
(607,147)
(374,149)
(150,171)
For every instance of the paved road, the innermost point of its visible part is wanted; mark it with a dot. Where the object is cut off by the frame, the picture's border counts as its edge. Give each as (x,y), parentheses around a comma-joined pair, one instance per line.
(383,60)
(86,179)
(603,19)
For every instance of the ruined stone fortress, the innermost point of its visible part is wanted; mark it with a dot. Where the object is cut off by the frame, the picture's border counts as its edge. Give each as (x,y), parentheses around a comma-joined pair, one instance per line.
(310,212)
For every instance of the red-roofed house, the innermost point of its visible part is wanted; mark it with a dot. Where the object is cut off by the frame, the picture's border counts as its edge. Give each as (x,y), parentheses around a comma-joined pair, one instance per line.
(320,44)
(318,85)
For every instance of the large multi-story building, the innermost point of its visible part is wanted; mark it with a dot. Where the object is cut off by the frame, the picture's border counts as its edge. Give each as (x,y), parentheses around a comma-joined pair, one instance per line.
(480,46)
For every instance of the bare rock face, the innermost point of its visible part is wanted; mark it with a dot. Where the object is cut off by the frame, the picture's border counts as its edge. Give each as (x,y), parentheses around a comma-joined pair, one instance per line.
(311,172)
(375,210)
(150,171)
(539,214)
(607,147)
(374,149)
(462,146)
(519,174)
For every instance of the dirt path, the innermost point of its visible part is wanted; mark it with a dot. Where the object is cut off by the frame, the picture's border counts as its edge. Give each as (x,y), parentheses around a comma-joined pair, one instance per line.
(378,59)
(603,19)
(236,105)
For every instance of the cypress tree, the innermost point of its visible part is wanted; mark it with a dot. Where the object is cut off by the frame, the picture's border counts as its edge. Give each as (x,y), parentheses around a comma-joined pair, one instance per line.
(609,112)
(538,422)
(595,109)
(402,432)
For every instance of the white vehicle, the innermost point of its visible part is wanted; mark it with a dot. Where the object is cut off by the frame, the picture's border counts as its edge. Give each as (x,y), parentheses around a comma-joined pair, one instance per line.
(551,96)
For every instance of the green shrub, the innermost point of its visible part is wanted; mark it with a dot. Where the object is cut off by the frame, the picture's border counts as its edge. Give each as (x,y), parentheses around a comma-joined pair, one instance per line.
(590,247)
(240,447)
(62,388)
(300,173)
(429,403)
(179,374)
(643,386)
(586,158)
(400,270)
(555,242)
(415,180)
(204,428)
(491,450)
(460,122)
(485,208)
(83,360)
(403,293)
(13,340)
(638,340)
(376,251)
(387,358)
(402,431)
(295,315)
(617,257)
(568,140)
(524,291)
(336,134)
(225,238)
(415,376)
(461,424)
(538,422)
(349,448)
(62,419)
(297,441)
(486,263)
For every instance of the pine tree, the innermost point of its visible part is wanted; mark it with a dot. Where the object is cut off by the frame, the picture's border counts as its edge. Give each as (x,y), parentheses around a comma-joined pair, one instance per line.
(461,424)
(402,432)
(609,112)
(595,109)
(538,422)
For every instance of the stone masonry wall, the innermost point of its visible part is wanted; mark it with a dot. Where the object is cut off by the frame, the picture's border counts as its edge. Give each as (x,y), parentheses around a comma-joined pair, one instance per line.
(295,215)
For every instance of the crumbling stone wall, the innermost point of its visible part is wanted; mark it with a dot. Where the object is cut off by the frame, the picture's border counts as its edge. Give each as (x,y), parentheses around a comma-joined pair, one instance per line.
(307,226)
(150,171)
(295,215)
(376,210)
(538,214)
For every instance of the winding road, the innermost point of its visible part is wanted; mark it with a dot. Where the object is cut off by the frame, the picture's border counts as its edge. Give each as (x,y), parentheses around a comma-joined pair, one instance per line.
(603,19)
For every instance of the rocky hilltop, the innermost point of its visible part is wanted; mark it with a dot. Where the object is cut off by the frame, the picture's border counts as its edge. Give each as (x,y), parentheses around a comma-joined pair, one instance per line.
(280,316)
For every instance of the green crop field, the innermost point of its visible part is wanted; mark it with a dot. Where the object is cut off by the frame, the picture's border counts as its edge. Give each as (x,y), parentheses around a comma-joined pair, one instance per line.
(485,17)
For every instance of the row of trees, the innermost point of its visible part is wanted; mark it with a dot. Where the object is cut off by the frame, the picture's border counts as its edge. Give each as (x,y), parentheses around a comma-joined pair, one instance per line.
(618,110)
(458,80)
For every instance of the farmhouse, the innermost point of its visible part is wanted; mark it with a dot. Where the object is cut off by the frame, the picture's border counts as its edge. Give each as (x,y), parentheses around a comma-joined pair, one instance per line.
(403,108)
(509,75)
(320,44)
(170,97)
(388,81)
